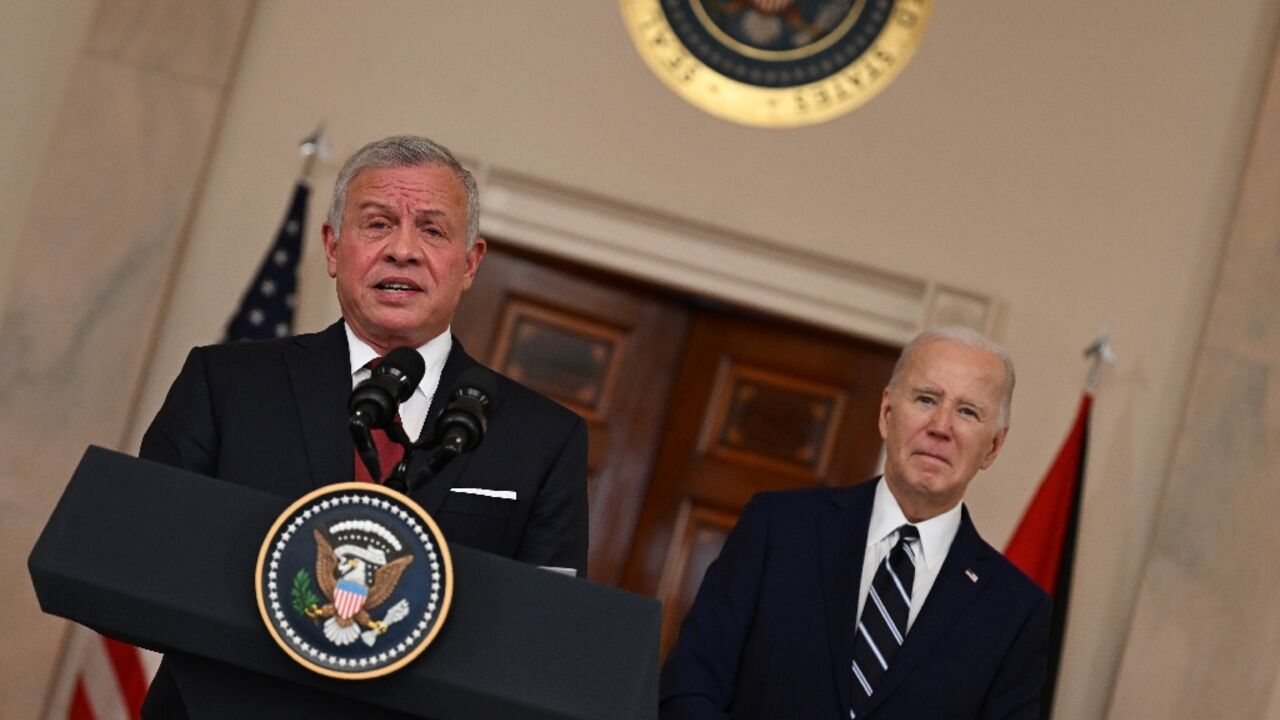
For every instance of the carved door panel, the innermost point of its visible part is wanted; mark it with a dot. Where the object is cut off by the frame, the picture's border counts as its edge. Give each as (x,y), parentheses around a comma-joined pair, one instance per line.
(758,405)
(603,347)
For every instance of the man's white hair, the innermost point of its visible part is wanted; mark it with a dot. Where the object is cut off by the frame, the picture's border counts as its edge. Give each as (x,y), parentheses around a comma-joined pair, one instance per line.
(404,151)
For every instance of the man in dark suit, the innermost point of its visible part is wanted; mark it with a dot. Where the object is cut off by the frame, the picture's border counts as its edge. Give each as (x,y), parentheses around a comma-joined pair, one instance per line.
(401,242)
(878,600)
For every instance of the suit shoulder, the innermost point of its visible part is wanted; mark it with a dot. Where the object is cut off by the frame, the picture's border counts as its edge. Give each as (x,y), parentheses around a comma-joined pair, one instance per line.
(250,352)
(810,498)
(1011,577)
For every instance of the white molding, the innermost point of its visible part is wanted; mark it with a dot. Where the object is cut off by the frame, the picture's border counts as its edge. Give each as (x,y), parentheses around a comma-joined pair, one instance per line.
(712,262)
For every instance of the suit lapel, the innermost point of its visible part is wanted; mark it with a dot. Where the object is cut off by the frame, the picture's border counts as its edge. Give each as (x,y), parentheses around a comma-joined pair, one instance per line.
(319,368)
(843,529)
(952,594)
(433,495)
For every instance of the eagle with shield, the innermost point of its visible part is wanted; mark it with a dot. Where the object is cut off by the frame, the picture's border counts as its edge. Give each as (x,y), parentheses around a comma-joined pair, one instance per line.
(356,578)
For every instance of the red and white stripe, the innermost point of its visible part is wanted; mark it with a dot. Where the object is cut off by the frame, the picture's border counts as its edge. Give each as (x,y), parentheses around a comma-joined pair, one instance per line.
(348,602)
(100,678)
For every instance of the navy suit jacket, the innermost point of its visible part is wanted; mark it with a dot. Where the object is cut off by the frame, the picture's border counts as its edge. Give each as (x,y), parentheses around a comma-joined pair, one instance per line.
(273,415)
(770,634)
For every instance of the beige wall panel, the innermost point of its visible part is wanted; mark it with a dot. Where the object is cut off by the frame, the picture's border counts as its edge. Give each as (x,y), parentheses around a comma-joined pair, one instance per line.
(1206,628)
(90,270)
(39,44)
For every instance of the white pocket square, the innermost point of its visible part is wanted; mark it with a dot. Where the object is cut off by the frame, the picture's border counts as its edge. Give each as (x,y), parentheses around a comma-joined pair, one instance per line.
(485,492)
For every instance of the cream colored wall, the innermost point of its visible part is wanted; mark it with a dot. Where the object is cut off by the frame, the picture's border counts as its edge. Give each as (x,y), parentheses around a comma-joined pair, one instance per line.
(1078,162)
(39,42)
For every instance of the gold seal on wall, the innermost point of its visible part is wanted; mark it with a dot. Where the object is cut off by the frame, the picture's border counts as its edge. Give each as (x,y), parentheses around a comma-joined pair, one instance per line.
(776,63)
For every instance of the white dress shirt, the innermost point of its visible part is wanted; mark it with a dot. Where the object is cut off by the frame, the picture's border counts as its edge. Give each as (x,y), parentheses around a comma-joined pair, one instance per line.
(413,412)
(930,550)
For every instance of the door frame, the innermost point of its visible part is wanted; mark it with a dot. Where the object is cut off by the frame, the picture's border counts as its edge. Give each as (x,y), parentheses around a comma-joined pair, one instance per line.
(692,257)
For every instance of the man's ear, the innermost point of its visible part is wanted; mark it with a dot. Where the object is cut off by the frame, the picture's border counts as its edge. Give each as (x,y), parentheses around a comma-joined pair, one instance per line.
(330,249)
(997,443)
(884,415)
(474,256)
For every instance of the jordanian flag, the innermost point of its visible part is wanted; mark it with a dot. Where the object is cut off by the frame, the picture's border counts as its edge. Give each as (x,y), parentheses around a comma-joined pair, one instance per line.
(1044,545)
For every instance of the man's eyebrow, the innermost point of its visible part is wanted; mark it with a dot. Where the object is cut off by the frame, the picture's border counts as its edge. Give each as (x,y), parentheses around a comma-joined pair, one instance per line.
(373,205)
(383,207)
(931,390)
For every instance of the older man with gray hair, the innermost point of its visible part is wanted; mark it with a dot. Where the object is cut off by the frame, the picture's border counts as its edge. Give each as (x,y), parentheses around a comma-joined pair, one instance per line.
(878,600)
(402,245)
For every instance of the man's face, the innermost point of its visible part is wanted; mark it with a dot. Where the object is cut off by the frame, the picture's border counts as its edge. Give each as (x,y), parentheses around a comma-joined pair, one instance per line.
(940,426)
(401,262)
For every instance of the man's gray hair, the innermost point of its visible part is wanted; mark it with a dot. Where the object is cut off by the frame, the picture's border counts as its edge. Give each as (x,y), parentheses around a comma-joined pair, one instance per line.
(404,151)
(968,337)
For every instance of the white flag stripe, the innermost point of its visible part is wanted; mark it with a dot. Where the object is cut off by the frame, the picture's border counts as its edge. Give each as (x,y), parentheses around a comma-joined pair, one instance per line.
(100,685)
(73,650)
(150,661)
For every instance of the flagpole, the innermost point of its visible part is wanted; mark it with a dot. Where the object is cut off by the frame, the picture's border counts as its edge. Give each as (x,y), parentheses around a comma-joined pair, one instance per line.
(1044,543)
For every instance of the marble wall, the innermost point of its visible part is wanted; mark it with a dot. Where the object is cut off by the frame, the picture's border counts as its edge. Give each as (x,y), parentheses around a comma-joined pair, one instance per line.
(1204,637)
(90,271)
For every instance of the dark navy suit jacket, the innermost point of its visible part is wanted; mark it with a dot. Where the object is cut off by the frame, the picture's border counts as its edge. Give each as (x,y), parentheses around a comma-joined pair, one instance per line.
(273,415)
(770,634)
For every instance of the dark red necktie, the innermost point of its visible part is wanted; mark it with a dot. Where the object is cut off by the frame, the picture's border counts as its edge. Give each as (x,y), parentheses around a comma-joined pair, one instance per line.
(389,451)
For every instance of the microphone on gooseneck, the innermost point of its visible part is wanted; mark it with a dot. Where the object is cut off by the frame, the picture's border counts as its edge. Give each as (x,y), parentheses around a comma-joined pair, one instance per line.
(376,400)
(459,429)
(465,419)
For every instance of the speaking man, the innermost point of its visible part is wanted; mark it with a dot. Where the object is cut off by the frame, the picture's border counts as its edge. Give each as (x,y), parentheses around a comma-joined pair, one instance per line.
(401,243)
(878,600)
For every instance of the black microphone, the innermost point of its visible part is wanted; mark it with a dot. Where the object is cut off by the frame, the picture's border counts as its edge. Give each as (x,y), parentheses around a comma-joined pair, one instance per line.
(375,401)
(459,429)
(465,420)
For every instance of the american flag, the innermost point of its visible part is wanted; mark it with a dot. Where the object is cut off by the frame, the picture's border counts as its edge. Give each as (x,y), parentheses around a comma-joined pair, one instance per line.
(105,679)
(266,310)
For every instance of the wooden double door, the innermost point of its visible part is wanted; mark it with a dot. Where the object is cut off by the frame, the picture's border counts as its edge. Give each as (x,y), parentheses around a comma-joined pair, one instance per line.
(692,407)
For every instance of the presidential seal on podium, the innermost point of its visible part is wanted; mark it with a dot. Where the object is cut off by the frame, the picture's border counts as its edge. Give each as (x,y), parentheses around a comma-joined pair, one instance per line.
(354,580)
(776,63)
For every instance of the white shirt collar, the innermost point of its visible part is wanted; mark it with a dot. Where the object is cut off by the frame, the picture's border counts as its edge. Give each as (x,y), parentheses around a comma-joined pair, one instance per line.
(413,412)
(434,352)
(936,533)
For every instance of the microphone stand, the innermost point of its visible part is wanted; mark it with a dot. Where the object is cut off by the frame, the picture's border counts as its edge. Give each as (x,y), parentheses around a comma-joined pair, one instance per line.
(434,456)
(363,438)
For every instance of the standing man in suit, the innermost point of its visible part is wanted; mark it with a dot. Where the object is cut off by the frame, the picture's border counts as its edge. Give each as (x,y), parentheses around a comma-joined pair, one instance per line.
(878,600)
(401,243)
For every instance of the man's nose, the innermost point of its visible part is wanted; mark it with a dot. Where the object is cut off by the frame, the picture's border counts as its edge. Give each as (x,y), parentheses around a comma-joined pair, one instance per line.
(403,245)
(940,421)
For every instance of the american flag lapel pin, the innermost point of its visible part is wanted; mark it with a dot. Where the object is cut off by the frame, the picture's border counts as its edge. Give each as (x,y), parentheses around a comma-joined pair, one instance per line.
(972,575)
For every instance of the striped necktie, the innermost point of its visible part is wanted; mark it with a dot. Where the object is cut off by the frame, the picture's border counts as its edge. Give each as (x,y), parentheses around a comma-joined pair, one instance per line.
(883,624)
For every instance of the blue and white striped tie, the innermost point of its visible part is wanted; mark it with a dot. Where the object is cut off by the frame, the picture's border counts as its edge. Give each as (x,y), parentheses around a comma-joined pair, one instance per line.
(883,624)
